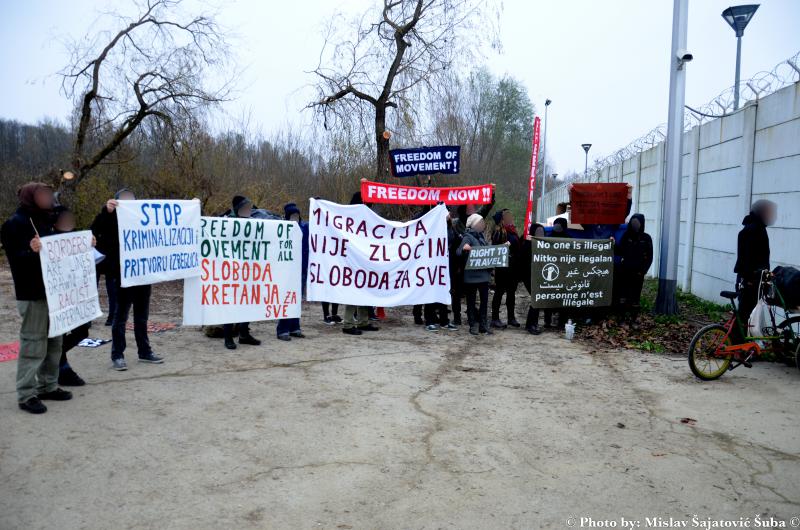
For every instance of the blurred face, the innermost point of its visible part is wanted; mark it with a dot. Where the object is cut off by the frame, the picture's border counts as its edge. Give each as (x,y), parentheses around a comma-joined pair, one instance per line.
(127,196)
(636,225)
(480,226)
(539,232)
(44,198)
(245,211)
(770,215)
(557,227)
(295,217)
(65,222)
(508,218)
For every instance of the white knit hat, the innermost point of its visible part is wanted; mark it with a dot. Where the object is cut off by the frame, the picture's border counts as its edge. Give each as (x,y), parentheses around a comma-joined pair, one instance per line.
(473,219)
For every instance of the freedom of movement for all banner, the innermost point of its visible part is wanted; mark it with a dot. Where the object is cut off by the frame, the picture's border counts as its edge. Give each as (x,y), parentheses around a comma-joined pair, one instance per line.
(357,257)
(250,270)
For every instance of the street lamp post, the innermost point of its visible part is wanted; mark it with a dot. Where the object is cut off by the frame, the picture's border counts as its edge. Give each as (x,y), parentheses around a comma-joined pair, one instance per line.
(586,148)
(738,17)
(666,300)
(544,148)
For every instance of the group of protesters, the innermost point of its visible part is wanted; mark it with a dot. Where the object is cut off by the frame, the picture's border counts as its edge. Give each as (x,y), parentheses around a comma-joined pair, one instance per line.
(43,364)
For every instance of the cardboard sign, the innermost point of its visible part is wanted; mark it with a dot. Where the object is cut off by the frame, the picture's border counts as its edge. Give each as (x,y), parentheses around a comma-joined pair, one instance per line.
(356,257)
(69,281)
(250,271)
(159,240)
(425,161)
(598,203)
(571,272)
(532,177)
(490,257)
(378,193)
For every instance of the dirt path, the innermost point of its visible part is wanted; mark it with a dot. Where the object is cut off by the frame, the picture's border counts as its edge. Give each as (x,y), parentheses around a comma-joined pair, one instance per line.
(400,429)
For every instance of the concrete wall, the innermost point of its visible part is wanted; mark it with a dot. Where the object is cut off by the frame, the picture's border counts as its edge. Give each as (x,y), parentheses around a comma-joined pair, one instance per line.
(727,164)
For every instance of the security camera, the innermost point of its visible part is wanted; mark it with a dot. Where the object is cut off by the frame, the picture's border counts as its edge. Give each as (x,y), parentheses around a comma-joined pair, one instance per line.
(684,56)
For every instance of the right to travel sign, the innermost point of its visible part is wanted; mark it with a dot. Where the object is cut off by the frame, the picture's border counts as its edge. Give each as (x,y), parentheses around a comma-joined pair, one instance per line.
(571,272)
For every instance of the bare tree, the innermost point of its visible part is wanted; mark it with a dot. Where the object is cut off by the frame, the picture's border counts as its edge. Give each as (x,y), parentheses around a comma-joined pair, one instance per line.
(157,65)
(393,52)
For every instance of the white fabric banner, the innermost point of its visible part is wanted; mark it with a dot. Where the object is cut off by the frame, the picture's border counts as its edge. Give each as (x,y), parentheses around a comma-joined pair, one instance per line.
(159,240)
(250,270)
(69,281)
(356,257)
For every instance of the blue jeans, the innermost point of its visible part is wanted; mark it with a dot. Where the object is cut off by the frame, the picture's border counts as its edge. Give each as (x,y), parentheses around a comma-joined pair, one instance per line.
(288,325)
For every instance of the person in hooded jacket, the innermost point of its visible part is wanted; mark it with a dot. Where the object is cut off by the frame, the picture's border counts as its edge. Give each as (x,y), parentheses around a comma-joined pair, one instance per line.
(506,278)
(106,229)
(290,327)
(37,366)
(526,257)
(476,281)
(752,254)
(635,250)
(241,208)
(357,318)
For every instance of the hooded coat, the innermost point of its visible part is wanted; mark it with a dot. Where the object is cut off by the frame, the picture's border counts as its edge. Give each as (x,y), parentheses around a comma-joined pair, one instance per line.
(752,249)
(635,249)
(106,232)
(16,235)
(474,239)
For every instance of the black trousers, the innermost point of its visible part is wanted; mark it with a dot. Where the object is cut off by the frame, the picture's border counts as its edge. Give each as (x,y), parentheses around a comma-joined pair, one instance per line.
(417,312)
(456,293)
(243,331)
(137,297)
(506,284)
(330,309)
(748,298)
(436,314)
(477,315)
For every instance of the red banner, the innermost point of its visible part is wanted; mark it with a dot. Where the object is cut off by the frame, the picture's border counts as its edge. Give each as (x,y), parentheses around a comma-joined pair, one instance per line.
(532,177)
(600,204)
(376,192)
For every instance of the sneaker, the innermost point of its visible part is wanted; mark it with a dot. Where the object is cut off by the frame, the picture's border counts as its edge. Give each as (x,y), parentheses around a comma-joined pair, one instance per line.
(119,364)
(59,394)
(369,327)
(451,327)
(351,331)
(230,344)
(34,406)
(151,358)
(285,338)
(514,323)
(498,324)
(374,318)
(432,327)
(68,377)
(534,330)
(249,340)
(485,330)
(297,334)
(329,321)
(473,329)
(337,319)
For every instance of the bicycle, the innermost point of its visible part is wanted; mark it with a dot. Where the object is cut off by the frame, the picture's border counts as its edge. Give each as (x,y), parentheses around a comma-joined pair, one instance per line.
(712,351)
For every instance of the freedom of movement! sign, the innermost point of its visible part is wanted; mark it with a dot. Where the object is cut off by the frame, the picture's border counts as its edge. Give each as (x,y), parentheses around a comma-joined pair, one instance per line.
(69,281)
(250,271)
(159,240)
(571,272)
(425,161)
(357,257)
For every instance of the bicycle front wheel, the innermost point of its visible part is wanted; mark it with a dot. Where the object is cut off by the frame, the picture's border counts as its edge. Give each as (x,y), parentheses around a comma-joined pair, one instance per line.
(703,361)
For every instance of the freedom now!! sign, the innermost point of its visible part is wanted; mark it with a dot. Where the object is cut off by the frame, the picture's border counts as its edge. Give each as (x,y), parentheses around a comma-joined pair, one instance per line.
(425,161)
(379,193)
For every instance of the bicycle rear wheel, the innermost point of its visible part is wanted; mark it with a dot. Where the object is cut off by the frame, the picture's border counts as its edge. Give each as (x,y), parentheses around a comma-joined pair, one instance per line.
(702,361)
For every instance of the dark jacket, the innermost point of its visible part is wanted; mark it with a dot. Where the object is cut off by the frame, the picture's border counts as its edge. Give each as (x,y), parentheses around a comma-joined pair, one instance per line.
(635,249)
(508,234)
(16,235)
(106,231)
(474,239)
(288,210)
(752,249)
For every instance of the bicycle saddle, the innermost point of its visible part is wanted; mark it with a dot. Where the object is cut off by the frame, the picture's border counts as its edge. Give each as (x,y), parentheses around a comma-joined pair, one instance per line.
(730,295)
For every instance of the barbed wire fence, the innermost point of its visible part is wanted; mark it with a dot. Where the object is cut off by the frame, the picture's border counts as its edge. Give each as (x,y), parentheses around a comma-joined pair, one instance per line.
(761,84)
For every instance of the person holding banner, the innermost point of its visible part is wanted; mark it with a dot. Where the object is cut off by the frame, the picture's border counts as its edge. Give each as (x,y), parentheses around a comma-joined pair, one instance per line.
(635,250)
(357,318)
(506,278)
(532,320)
(476,281)
(241,207)
(37,367)
(106,229)
(290,327)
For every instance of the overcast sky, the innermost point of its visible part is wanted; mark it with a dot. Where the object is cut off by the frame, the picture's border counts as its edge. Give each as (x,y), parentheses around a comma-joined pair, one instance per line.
(603,63)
